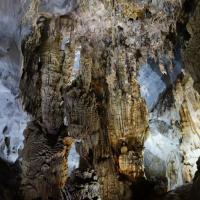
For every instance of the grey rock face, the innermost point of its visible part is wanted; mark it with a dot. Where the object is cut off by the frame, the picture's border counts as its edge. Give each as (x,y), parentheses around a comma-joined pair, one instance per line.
(59,7)
(12,117)
(84,185)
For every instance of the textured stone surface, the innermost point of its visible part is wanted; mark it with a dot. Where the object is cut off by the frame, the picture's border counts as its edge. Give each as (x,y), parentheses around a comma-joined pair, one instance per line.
(87,67)
(12,118)
(191,53)
(102,100)
(83,185)
(44,163)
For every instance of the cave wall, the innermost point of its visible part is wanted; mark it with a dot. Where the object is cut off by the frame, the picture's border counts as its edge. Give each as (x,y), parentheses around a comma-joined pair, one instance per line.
(102,100)
(12,117)
(108,76)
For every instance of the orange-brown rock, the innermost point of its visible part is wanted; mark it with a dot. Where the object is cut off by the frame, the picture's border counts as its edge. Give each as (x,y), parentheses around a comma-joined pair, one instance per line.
(44,163)
(82,69)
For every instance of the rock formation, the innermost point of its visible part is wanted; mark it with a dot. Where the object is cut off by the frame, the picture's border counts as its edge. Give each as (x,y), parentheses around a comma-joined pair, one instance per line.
(116,79)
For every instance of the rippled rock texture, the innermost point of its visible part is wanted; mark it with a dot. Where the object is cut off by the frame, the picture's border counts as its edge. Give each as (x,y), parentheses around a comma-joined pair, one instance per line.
(116,79)
(44,164)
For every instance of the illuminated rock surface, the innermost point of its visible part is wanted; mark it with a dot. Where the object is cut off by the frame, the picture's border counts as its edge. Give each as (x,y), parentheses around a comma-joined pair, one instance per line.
(111,93)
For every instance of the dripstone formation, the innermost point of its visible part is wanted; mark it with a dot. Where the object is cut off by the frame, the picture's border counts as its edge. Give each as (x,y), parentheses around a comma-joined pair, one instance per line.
(81,83)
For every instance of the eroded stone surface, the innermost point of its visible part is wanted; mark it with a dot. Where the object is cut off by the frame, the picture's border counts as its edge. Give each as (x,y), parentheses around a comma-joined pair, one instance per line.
(44,163)
(87,65)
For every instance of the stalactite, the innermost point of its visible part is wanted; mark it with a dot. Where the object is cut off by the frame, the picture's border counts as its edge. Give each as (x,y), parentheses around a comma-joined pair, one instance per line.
(81,79)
